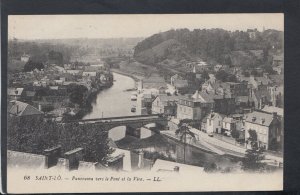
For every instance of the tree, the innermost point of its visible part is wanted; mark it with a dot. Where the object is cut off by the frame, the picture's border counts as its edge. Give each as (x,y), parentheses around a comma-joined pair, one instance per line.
(235,133)
(252,160)
(205,75)
(34,136)
(77,93)
(210,167)
(55,57)
(269,69)
(182,131)
(32,65)
(252,138)
(221,75)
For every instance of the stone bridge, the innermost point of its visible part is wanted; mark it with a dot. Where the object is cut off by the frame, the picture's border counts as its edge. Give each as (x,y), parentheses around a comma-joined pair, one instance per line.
(132,123)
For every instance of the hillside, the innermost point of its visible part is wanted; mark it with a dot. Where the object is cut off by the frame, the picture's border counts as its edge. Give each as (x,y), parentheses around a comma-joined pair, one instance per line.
(213,45)
(169,49)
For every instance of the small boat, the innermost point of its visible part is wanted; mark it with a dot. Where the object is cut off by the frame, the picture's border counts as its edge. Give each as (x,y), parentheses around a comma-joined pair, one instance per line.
(133,109)
(133,98)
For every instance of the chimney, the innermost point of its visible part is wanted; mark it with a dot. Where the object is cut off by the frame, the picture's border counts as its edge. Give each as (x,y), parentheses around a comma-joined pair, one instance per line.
(73,157)
(141,160)
(17,108)
(176,169)
(40,107)
(52,155)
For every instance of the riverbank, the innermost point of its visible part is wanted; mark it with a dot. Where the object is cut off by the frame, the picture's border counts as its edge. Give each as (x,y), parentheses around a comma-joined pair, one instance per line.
(88,99)
(135,77)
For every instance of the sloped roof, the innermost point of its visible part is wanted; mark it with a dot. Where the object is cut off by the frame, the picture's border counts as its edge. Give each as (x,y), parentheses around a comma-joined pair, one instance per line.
(262,93)
(180,83)
(243,78)
(213,115)
(262,80)
(30,93)
(272,109)
(203,97)
(259,118)
(244,99)
(165,98)
(15,91)
(277,79)
(18,108)
(228,120)
(176,76)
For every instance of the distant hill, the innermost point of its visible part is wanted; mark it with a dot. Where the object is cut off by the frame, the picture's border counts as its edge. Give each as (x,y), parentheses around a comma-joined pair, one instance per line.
(169,49)
(15,65)
(61,51)
(124,43)
(213,45)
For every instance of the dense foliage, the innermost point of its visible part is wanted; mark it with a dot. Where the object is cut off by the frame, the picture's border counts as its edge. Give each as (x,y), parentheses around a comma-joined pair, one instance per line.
(253,160)
(210,44)
(225,77)
(55,57)
(32,65)
(35,136)
(77,93)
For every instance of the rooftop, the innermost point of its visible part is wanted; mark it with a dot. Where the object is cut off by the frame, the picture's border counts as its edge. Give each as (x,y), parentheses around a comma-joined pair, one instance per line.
(272,109)
(260,118)
(18,108)
(15,91)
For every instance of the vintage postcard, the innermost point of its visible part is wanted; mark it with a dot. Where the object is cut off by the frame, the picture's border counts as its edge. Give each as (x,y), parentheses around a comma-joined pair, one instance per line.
(145,103)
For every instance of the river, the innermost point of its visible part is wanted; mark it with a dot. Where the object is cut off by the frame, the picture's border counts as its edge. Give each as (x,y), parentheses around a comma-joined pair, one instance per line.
(115,101)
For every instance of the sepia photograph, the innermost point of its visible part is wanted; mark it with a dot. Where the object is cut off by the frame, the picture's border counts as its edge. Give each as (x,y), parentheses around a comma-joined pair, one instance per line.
(145,102)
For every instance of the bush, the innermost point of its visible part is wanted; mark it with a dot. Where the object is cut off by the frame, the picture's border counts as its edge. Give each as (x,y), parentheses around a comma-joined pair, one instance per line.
(35,136)
(210,167)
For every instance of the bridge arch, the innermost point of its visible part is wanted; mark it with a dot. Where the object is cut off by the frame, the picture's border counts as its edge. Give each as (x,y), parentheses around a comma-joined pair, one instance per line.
(118,132)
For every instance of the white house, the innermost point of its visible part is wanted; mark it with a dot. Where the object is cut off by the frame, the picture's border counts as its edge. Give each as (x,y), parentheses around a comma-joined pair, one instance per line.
(214,122)
(267,127)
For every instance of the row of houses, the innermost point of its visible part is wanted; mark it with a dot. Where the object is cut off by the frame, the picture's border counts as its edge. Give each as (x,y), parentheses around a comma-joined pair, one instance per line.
(223,107)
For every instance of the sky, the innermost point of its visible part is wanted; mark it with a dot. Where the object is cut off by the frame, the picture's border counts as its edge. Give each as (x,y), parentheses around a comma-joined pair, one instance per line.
(131,25)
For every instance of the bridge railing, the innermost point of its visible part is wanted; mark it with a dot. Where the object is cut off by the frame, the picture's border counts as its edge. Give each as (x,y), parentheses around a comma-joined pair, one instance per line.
(112,118)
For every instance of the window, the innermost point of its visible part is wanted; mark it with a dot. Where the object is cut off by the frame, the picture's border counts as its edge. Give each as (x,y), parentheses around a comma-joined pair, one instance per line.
(209,122)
